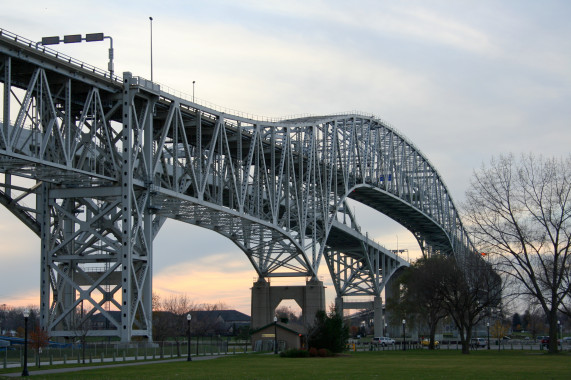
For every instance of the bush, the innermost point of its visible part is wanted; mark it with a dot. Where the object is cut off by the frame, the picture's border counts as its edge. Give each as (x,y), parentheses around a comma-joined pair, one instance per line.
(324,352)
(294,353)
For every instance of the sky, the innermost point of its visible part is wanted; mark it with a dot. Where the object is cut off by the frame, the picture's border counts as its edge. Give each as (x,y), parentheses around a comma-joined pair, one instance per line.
(465,81)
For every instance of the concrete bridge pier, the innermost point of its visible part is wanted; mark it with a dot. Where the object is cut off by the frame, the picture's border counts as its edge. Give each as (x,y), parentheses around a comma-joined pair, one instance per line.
(378,319)
(266,298)
(376,306)
(339,305)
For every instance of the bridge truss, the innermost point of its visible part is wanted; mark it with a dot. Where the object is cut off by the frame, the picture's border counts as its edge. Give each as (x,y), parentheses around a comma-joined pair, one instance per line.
(94,165)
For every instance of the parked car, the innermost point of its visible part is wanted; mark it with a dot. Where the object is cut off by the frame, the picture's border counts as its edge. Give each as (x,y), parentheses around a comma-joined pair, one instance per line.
(426,342)
(383,341)
(478,342)
(566,339)
(545,342)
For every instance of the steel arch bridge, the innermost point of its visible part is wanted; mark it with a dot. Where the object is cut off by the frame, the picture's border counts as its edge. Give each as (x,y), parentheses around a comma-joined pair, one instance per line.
(94,165)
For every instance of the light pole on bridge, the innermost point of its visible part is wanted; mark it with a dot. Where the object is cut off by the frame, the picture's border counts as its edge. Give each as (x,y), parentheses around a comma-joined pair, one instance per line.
(151,21)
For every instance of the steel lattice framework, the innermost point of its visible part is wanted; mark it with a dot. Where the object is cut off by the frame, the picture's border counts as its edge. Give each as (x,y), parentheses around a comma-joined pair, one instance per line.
(105,161)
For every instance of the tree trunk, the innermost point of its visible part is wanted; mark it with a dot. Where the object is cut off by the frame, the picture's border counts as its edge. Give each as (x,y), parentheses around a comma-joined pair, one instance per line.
(553,332)
(432,334)
(465,335)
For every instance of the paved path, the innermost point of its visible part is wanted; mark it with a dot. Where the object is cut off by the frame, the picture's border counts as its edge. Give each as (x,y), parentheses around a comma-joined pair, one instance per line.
(74,369)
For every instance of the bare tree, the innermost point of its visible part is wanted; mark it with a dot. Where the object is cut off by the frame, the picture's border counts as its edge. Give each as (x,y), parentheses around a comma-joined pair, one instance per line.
(469,288)
(420,294)
(169,317)
(287,315)
(520,213)
(207,321)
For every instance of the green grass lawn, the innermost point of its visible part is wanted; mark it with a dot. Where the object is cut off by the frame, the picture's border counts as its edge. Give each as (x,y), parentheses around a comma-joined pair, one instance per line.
(395,365)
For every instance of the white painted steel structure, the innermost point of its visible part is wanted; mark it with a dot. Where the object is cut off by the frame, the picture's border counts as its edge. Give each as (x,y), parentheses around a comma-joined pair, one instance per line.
(105,160)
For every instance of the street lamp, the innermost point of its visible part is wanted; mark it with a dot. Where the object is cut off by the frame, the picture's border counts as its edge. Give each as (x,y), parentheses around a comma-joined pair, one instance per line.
(275,335)
(385,332)
(404,334)
(559,331)
(25,371)
(188,318)
(488,326)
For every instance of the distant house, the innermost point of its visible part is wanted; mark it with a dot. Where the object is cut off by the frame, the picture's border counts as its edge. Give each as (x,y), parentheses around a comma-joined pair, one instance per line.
(223,322)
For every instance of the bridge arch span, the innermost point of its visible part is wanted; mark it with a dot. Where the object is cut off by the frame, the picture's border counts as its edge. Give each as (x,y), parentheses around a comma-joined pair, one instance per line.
(111,158)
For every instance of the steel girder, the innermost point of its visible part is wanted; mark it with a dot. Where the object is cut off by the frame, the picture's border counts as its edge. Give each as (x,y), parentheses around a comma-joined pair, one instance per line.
(111,159)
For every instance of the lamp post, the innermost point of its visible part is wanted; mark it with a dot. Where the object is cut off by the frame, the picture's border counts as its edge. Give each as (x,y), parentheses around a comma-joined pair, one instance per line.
(188,318)
(275,335)
(404,334)
(25,370)
(385,332)
(193,82)
(559,334)
(488,326)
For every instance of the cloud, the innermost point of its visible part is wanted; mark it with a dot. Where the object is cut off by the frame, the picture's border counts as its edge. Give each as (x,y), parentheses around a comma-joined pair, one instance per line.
(217,278)
(463,81)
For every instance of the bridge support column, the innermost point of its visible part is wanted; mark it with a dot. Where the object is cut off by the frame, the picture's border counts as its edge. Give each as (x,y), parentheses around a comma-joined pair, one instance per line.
(266,298)
(314,300)
(261,310)
(339,305)
(378,316)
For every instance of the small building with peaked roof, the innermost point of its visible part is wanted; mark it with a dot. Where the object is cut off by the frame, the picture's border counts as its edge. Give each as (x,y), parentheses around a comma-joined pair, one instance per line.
(288,337)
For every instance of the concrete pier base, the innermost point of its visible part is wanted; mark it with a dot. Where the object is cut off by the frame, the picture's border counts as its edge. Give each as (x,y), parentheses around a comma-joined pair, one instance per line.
(266,298)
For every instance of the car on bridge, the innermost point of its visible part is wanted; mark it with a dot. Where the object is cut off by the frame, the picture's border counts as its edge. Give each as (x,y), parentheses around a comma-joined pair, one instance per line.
(383,341)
